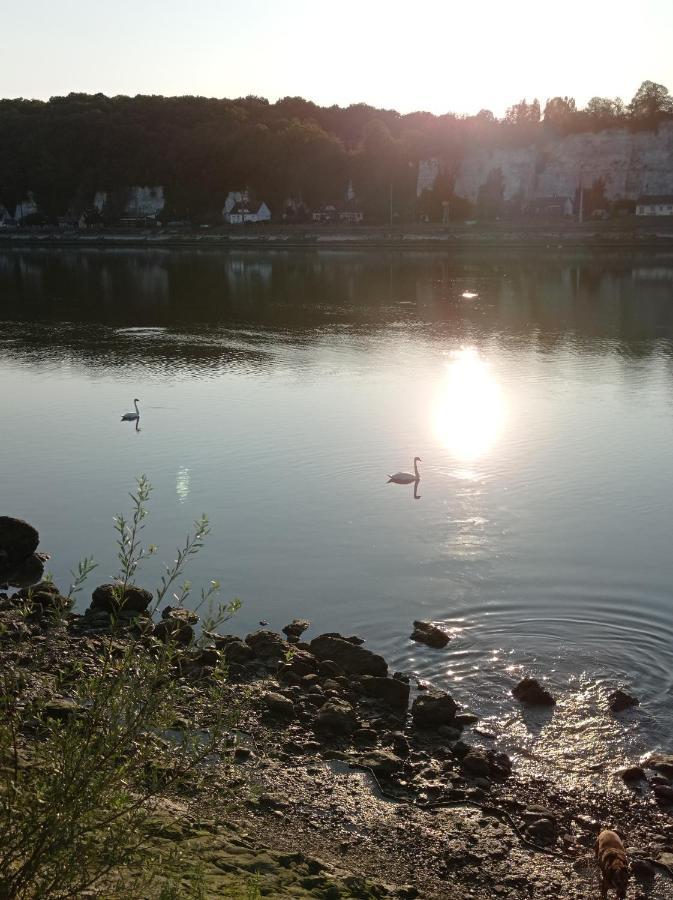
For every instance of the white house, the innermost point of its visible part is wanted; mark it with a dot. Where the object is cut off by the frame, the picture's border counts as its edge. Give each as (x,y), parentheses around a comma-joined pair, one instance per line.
(351,216)
(243,211)
(655,206)
(552,206)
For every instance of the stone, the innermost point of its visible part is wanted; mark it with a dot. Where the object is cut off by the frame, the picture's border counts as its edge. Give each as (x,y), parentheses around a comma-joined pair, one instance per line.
(46,595)
(642,869)
(327,667)
(28,572)
(174,630)
(663,793)
(432,635)
(61,709)
(433,709)
(353,659)
(237,651)
(543,831)
(18,541)
(400,744)
(390,691)
(632,773)
(466,718)
(267,645)
(107,597)
(296,627)
(181,614)
(529,690)
(476,762)
(365,737)
(278,705)
(381,762)
(337,716)
(662,762)
(619,700)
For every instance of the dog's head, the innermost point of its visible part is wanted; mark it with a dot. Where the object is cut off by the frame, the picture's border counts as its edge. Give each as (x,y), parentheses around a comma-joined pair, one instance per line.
(618,877)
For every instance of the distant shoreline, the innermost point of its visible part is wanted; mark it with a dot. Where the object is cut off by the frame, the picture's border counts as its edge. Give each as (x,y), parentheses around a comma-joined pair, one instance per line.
(461,237)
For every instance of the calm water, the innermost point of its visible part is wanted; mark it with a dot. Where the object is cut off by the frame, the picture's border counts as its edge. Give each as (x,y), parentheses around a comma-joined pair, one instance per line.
(278,390)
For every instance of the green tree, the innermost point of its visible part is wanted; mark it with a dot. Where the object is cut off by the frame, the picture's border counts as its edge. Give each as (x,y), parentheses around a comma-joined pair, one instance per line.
(650,100)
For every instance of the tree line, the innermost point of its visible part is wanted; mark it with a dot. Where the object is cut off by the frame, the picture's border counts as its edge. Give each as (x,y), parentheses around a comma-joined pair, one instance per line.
(67,148)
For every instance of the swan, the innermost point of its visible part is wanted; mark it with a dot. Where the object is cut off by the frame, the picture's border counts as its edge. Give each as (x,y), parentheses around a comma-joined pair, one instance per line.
(406,477)
(132,417)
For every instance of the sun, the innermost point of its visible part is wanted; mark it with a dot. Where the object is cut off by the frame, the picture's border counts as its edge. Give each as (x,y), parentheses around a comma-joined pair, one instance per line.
(470,408)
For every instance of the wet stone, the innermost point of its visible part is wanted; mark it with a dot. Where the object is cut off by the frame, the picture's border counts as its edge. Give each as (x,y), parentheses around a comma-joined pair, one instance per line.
(430,634)
(529,690)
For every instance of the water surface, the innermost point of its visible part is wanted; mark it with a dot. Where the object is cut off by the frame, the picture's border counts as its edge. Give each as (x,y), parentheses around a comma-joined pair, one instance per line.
(277,392)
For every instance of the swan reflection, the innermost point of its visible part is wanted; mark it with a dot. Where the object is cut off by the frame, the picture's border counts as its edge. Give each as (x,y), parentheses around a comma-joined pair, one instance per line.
(470,408)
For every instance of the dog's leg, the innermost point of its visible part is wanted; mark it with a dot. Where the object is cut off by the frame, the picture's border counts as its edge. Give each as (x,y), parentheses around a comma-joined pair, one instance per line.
(604,887)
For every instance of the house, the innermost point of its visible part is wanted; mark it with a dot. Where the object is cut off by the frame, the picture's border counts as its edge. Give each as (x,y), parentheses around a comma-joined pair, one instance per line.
(351,216)
(244,211)
(551,206)
(325,214)
(661,205)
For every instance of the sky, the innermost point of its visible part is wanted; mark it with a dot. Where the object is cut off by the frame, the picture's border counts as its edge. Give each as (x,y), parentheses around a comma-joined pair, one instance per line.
(438,56)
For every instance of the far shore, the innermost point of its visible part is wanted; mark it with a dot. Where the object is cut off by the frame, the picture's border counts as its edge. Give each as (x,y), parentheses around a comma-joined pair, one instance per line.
(548,235)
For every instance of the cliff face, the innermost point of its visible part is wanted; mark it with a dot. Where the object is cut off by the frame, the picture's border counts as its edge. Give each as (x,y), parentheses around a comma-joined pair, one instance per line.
(630,164)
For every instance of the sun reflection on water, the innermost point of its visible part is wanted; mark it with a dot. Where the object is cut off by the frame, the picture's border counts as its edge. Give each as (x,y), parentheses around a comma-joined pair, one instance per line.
(470,408)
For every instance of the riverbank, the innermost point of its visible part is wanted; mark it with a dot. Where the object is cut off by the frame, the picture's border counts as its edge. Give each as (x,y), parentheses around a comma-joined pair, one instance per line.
(341,779)
(552,235)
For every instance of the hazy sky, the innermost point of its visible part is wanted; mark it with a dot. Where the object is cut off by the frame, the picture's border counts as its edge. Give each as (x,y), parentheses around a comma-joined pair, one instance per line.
(434,55)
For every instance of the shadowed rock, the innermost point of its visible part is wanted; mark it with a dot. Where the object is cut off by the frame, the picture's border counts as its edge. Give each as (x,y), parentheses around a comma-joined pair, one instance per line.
(108,597)
(529,690)
(18,541)
(353,659)
(619,700)
(434,709)
(432,635)
(391,691)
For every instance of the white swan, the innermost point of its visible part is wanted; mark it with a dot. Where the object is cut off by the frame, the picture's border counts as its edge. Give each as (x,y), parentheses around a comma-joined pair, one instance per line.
(406,477)
(132,417)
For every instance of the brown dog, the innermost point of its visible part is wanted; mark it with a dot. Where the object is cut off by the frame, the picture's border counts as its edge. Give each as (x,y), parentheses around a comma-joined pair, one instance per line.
(613,864)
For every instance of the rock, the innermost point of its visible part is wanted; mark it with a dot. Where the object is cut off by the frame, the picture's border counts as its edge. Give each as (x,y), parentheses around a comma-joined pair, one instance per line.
(389,690)
(46,595)
(529,690)
(476,763)
(466,718)
(302,663)
(501,765)
(400,744)
(107,597)
(663,793)
(18,541)
(432,635)
(642,869)
(352,658)
(61,709)
(29,572)
(662,762)
(208,656)
(174,630)
(381,762)
(267,645)
(180,614)
(278,705)
(296,628)
(618,701)
(365,737)
(237,651)
(632,773)
(542,831)
(327,667)
(337,716)
(434,709)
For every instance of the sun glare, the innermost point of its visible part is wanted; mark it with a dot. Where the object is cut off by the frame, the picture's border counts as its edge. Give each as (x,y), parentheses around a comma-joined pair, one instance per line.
(470,409)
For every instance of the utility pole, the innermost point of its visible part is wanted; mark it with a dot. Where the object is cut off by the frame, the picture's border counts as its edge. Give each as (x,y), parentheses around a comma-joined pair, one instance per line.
(581,212)
(391,204)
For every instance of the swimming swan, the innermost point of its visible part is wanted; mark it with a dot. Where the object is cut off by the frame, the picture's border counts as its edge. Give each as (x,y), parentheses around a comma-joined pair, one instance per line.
(406,477)
(132,417)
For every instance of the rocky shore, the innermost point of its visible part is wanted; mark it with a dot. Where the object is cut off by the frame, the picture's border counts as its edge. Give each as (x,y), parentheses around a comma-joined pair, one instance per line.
(342,779)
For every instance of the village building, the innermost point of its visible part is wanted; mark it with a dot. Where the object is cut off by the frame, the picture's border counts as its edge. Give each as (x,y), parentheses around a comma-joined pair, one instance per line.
(661,205)
(551,207)
(245,212)
(351,216)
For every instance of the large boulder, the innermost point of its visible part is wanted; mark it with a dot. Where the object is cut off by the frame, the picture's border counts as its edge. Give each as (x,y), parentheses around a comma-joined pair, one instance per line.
(109,597)
(661,762)
(18,541)
(381,762)
(529,690)
(434,709)
(390,691)
(337,716)
(267,645)
(352,658)
(432,635)
(619,700)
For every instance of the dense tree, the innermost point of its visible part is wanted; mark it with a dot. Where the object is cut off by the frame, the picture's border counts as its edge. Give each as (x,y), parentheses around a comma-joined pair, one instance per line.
(650,100)
(66,149)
